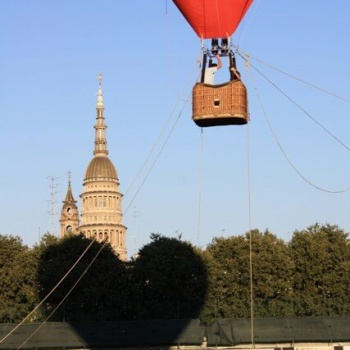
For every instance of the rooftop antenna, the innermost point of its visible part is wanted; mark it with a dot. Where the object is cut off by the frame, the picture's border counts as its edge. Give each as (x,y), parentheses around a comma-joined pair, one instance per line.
(52,211)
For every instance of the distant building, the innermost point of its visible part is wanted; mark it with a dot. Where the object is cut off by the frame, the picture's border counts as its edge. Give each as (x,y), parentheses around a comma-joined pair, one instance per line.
(101,210)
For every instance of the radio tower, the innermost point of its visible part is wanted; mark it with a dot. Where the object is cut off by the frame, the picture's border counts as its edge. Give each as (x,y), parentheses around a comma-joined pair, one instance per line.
(52,211)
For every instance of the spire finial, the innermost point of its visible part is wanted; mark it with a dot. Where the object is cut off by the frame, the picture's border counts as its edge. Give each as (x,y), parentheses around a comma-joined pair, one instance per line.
(99,94)
(100,78)
(100,127)
(69,176)
(69,196)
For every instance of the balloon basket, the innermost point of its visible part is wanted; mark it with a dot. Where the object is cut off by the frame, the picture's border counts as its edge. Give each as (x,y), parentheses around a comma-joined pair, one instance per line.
(222,104)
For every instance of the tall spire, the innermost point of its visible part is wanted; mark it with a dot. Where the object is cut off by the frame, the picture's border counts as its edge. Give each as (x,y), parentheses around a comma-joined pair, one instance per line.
(69,196)
(100,127)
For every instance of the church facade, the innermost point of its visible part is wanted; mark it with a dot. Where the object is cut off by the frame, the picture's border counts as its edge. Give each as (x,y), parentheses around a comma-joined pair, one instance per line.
(101,210)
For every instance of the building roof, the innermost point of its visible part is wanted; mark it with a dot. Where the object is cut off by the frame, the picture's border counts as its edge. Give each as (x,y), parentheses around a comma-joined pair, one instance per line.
(101,168)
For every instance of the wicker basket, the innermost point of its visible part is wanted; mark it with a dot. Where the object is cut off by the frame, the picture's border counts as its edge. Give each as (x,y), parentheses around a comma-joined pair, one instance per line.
(224,104)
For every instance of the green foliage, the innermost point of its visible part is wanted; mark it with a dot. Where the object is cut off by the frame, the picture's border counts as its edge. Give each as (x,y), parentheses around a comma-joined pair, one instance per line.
(272,275)
(321,256)
(228,261)
(17,280)
(228,266)
(170,279)
(102,292)
(46,240)
(310,276)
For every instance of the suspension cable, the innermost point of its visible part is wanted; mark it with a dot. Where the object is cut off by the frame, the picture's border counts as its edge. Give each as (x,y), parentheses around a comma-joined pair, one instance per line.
(65,297)
(296,78)
(285,154)
(250,242)
(247,66)
(165,126)
(200,182)
(299,107)
(245,26)
(158,155)
(53,289)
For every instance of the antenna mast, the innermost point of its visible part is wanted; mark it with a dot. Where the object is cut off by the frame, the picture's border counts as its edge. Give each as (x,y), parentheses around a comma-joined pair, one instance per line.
(52,211)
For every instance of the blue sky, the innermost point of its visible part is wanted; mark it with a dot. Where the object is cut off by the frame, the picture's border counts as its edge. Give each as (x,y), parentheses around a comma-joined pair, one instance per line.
(51,54)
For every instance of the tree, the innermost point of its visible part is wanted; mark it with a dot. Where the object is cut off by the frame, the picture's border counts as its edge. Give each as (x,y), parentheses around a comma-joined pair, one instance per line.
(228,260)
(17,279)
(321,255)
(272,275)
(102,292)
(228,274)
(46,240)
(170,279)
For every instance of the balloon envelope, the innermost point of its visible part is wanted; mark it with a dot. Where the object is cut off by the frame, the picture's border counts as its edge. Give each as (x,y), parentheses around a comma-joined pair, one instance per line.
(213,18)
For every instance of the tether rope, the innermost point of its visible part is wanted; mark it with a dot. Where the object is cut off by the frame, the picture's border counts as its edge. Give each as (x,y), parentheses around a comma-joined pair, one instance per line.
(200,187)
(250,241)
(53,289)
(297,78)
(244,26)
(279,144)
(298,106)
(189,79)
(250,229)
(286,156)
(158,155)
(164,128)
(65,297)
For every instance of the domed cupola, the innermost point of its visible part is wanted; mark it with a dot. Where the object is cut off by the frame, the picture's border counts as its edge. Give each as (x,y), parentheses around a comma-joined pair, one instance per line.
(101,168)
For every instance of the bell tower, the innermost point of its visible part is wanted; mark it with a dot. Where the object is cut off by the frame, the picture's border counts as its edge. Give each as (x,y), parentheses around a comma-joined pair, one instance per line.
(69,213)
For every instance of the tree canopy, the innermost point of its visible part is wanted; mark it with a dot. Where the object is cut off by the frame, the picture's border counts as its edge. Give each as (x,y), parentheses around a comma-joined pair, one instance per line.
(321,282)
(171,279)
(17,279)
(230,290)
(231,278)
(96,289)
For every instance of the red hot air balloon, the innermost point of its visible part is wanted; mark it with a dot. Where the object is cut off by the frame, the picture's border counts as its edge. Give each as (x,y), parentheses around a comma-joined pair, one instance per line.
(213,18)
(217,104)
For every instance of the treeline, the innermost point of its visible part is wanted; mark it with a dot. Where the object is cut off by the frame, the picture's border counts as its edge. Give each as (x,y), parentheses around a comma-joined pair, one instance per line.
(79,280)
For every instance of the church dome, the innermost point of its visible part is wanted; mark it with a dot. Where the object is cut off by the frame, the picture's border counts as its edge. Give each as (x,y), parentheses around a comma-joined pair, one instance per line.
(101,168)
